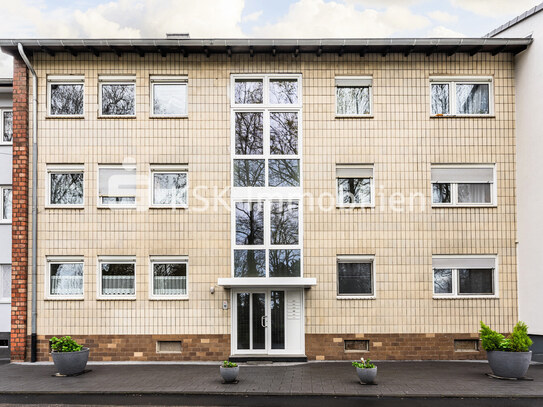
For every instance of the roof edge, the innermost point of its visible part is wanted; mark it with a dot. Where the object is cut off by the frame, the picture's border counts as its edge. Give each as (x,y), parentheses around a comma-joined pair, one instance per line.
(527,14)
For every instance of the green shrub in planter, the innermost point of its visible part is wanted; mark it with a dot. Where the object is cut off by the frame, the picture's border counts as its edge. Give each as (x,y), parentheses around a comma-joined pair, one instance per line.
(69,357)
(507,357)
(64,344)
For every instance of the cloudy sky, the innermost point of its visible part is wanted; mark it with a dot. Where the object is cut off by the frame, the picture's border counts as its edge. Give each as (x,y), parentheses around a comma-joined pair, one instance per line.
(252,18)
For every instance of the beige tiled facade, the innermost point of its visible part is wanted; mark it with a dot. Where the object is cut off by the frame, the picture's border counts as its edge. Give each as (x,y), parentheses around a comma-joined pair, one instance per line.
(401,140)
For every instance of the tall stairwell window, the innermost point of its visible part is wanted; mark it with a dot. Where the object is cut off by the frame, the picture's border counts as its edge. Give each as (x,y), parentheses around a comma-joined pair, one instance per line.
(266,176)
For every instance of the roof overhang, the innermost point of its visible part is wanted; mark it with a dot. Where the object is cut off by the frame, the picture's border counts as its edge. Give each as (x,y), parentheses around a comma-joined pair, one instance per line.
(261,282)
(209,47)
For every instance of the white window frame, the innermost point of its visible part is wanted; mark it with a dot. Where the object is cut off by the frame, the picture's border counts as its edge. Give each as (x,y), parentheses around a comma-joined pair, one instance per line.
(168,80)
(62,260)
(2,142)
(452,81)
(64,80)
(113,206)
(164,169)
(117,260)
(5,300)
(455,277)
(372,188)
(454,188)
(356,258)
(2,188)
(63,169)
(116,80)
(167,260)
(267,245)
(267,194)
(355,78)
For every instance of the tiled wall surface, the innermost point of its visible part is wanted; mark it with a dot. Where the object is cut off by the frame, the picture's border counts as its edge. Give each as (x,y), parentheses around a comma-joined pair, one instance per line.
(401,140)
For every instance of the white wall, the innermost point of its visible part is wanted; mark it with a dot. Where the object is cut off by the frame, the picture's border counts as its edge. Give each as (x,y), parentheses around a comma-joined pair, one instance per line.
(529,124)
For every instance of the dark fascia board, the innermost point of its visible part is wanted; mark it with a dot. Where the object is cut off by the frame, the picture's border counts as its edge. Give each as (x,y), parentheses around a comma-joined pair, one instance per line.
(516,20)
(268,46)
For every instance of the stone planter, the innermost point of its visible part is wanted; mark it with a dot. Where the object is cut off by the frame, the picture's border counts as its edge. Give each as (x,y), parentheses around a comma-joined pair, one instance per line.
(367,375)
(509,364)
(229,374)
(69,363)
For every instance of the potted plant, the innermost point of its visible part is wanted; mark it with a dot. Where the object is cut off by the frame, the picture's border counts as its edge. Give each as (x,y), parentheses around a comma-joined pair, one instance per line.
(367,371)
(508,357)
(68,356)
(229,371)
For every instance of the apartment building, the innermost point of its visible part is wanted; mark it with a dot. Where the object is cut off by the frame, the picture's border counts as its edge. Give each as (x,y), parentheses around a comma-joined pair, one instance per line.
(6,131)
(528,90)
(291,199)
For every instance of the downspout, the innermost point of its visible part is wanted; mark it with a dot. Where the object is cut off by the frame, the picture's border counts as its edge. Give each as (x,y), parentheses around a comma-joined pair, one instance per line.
(33,337)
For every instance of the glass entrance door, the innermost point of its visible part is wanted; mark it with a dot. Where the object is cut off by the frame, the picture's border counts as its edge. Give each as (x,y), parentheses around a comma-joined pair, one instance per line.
(260,321)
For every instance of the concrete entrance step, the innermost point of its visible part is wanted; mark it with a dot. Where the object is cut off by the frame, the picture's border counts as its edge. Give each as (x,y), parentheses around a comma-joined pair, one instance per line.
(267,358)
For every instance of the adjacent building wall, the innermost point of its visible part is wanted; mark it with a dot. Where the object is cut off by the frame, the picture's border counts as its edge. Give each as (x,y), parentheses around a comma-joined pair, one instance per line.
(529,91)
(401,140)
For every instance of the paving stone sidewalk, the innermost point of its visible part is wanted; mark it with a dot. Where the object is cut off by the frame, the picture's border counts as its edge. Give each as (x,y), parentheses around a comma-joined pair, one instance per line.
(395,379)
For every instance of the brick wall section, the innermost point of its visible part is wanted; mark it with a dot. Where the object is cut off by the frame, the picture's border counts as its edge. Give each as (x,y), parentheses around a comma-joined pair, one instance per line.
(390,347)
(318,347)
(20,207)
(143,347)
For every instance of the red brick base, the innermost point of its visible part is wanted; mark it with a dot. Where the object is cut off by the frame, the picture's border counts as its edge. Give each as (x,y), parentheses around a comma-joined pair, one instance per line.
(390,347)
(318,347)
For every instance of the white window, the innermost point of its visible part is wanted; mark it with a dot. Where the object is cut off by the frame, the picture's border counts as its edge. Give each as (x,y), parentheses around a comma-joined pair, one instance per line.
(354,185)
(5,204)
(266,119)
(354,96)
(169,277)
(117,96)
(5,283)
(267,238)
(66,95)
(117,277)
(463,185)
(64,278)
(6,122)
(355,276)
(169,96)
(461,96)
(65,186)
(169,186)
(117,186)
(465,276)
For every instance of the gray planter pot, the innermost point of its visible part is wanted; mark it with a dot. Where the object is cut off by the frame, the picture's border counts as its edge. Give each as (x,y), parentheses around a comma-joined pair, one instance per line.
(509,364)
(229,374)
(367,375)
(69,363)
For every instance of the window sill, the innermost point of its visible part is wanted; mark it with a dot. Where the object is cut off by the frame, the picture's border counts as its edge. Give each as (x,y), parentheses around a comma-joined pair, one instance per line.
(463,116)
(465,206)
(356,297)
(355,206)
(59,298)
(172,298)
(65,207)
(5,222)
(77,117)
(465,297)
(115,298)
(354,116)
(168,207)
(8,301)
(5,144)
(132,117)
(117,207)
(180,116)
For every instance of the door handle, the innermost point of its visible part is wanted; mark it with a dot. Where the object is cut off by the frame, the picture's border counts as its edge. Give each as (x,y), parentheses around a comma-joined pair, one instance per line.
(264,321)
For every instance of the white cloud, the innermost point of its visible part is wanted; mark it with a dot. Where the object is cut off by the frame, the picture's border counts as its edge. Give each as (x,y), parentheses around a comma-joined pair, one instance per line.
(443,32)
(442,16)
(384,3)
(496,8)
(316,18)
(252,17)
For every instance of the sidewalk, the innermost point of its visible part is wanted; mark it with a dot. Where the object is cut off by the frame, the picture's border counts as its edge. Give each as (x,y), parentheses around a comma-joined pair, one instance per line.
(26,383)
